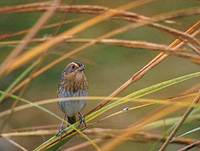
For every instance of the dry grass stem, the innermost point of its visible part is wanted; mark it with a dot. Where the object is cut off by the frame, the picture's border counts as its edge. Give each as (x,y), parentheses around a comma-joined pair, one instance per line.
(135,77)
(22,32)
(138,75)
(38,50)
(186,148)
(140,126)
(157,111)
(182,101)
(103,134)
(43,19)
(129,16)
(16,144)
(125,43)
(180,123)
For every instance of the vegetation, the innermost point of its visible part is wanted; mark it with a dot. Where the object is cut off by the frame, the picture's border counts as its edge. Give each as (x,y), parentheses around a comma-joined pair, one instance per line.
(142,62)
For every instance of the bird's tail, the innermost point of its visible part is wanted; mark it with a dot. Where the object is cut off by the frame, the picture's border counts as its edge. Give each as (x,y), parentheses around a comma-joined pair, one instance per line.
(72,119)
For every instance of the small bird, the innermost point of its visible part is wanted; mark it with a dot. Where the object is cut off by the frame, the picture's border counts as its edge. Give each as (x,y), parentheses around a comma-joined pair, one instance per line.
(73,83)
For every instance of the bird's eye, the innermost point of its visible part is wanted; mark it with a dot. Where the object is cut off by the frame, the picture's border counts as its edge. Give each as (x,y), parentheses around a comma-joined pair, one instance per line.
(73,66)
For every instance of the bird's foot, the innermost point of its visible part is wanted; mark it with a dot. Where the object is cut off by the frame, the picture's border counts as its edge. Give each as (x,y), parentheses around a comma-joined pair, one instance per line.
(82,120)
(61,131)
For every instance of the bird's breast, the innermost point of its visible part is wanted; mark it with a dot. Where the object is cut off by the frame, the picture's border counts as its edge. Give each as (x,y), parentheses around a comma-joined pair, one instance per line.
(76,88)
(72,106)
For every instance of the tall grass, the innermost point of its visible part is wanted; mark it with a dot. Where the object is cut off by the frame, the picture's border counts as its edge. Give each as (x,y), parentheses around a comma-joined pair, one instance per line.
(40,40)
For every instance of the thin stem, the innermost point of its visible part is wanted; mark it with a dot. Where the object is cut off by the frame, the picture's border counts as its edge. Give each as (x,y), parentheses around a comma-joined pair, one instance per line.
(175,130)
(197,143)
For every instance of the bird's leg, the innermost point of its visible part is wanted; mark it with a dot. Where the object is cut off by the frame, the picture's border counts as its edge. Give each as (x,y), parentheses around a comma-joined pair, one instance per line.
(62,127)
(82,119)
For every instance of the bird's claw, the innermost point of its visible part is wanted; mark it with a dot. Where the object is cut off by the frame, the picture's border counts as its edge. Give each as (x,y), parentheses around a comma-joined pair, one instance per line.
(61,130)
(82,120)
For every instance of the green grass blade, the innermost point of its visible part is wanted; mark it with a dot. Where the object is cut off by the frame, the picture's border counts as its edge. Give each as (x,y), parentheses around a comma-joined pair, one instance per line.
(170,122)
(191,131)
(18,79)
(72,127)
(143,92)
(140,93)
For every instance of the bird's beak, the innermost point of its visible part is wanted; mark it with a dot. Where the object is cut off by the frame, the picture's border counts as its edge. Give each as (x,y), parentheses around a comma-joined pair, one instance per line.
(81,68)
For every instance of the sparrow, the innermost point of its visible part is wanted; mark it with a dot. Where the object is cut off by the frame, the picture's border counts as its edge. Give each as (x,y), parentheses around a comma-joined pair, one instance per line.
(73,83)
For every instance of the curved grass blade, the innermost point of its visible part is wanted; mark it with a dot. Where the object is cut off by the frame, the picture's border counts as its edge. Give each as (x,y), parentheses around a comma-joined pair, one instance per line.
(18,79)
(73,127)
(143,92)
(52,143)
(170,122)
(191,131)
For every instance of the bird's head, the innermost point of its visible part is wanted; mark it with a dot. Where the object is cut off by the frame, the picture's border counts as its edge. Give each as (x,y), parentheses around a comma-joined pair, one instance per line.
(74,67)
(74,71)
(73,77)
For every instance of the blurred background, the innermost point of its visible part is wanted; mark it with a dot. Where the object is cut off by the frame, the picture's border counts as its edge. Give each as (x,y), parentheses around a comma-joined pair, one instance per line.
(107,66)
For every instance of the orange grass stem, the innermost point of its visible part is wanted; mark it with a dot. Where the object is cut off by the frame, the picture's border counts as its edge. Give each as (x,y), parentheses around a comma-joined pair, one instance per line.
(138,75)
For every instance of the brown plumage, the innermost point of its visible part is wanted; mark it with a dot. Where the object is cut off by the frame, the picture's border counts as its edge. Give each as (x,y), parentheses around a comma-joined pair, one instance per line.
(73,83)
